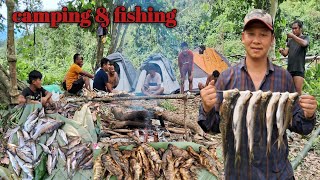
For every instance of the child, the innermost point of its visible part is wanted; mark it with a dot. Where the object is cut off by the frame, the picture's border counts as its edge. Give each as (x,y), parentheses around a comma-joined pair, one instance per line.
(35,93)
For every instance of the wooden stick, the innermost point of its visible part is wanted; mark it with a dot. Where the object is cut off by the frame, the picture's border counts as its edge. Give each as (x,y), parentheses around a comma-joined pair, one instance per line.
(122,130)
(177,130)
(305,150)
(185,117)
(122,124)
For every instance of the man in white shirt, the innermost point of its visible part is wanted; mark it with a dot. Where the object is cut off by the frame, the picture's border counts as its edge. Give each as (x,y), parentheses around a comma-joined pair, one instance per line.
(152,83)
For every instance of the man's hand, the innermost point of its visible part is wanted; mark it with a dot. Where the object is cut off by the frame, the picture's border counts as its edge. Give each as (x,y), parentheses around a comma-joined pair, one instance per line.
(209,97)
(281,50)
(44,101)
(308,104)
(290,35)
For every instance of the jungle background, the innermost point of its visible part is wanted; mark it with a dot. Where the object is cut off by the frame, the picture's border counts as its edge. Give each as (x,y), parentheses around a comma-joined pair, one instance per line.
(214,23)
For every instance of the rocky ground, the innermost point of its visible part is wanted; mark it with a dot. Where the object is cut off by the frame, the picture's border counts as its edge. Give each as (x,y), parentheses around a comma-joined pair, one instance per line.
(310,166)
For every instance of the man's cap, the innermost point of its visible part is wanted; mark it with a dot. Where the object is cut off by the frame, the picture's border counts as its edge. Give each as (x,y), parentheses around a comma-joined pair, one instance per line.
(260,15)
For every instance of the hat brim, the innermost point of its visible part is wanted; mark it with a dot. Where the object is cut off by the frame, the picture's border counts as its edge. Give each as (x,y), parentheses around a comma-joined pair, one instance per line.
(257,19)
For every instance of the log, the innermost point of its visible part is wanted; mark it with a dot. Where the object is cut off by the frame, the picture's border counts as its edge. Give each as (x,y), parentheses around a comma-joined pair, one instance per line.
(122,124)
(177,119)
(122,130)
(174,96)
(128,114)
(177,130)
(305,150)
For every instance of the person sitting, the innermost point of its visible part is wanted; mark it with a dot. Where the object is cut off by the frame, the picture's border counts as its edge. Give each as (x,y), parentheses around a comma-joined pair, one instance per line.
(76,77)
(214,76)
(35,93)
(113,78)
(100,80)
(152,83)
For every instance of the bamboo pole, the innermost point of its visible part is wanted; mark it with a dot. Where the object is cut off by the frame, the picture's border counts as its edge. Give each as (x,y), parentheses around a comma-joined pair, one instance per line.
(108,99)
(305,150)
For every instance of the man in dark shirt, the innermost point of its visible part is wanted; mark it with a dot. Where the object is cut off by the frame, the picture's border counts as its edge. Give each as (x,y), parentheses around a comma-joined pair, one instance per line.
(296,50)
(256,72)
(35,92)
(100,80)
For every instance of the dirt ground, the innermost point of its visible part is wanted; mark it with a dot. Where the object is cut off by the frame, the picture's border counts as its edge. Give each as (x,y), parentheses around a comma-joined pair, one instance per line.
(308,169)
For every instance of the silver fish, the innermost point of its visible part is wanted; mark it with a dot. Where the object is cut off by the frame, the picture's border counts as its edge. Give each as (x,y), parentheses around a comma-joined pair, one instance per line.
(251,115)
(68,164)
(74,142)
(280,115)
(14,164)
(47,128)
(26,167)
(10,132)
(77,148)
(31,120)
(288,113)
(21,140)
(49,164)
(237,119)
(73,163)
(24,155)
(61,155)
(51,138)
(54,160)
(45,148)
(12,148)
(33,148)
(63,135)
(41,113)
(28,126)
(25,134)
(271,109)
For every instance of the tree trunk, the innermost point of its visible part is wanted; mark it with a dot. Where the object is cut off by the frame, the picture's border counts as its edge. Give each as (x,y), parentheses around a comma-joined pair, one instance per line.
(119,49)
(100,47)
(273,11)
(11,54)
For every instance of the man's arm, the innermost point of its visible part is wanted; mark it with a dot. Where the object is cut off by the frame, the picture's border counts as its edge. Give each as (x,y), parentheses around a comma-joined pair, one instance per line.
(46,98)
(109,87)
(299,40)
(284,52)
(22,99)
(84,73)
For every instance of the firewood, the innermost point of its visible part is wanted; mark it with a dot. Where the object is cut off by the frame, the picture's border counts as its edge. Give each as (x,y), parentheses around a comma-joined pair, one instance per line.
(176,130)
(123,124)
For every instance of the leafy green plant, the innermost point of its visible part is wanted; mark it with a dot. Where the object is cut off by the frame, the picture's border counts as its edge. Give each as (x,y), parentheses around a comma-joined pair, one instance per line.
(312,82)
(167,105)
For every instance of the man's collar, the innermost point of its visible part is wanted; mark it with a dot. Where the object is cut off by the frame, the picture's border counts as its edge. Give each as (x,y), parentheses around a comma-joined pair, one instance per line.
(269,68)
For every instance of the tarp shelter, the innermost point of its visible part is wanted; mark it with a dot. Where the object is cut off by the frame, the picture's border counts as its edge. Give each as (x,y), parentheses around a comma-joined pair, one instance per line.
(164,68)
(205,64)
(127,73)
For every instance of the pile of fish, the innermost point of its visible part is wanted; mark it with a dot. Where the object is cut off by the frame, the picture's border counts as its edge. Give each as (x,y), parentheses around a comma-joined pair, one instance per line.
(147,163)
(260,105)
(24,155)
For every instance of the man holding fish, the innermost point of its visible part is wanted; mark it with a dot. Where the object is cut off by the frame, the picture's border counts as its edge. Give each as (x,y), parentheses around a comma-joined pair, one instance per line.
(245,131)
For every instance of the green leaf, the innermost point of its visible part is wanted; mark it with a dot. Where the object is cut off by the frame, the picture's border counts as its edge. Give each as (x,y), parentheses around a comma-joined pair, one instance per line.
(41,169)
(5,173)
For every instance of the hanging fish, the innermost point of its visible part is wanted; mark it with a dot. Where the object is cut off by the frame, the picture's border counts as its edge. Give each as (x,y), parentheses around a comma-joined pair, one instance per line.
(237,120)
(251,118)
(271,109)
(229,100)
(280,115)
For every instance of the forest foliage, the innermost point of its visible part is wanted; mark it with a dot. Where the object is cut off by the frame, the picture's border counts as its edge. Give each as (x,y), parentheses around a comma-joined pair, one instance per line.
(214,23)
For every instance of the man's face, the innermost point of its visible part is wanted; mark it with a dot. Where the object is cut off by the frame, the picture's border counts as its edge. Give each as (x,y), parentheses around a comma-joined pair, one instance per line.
(152,73)
(111,69)
(296,30)
(257,39)
(184,48)
(37,83)
(106,67)
(79,61)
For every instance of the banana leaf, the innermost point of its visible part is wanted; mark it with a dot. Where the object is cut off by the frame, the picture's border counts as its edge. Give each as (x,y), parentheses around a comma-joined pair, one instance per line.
(5,173)
(41,169)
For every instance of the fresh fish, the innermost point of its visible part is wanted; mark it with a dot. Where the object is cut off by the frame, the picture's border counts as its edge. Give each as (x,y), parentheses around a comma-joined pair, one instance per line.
(45,148)
(74,143)
(49,164)
(97,168)
(73,163)
(280,115)
(24,155)
(25,134)
(11,132)
(28,126)
(47,128)
(229,99)
(21,140)
(77,148)
(88,165)
(14,164)
(51,138)
(85,160)
(112,166)
(237,120)
(262,113)
(288,113)
(26,167)
(54,160)
(41,113)
(33,148)
(63,136)
(252,111)
(12,148)
(68,164)
(61,155)
(271,108)
(82,159)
